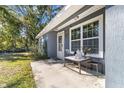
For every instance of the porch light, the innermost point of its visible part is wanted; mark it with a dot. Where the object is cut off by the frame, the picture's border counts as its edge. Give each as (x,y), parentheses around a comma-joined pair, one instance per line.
(77,17)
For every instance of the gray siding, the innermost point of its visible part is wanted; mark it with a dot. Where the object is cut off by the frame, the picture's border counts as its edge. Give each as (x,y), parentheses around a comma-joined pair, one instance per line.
(114,55)
(52,44)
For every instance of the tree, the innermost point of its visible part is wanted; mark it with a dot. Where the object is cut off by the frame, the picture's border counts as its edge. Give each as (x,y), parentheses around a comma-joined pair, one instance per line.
(10,25)
(14,19)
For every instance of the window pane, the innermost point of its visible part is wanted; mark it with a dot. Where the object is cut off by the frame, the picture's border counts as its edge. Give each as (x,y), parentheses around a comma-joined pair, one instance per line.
(60,46)
(90,27)
(75,45)
(60,43)
(91,30)
(85,33)
(90,42)
(90,33)
(95,29)
(72,34)
(60,39)
(93,44)
(84,42)
(75,34)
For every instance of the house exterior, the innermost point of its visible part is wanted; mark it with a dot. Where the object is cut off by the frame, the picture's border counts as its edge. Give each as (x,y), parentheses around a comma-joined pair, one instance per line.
(93,26)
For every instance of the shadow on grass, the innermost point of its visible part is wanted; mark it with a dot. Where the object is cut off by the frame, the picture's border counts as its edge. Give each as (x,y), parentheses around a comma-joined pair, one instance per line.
(14,57)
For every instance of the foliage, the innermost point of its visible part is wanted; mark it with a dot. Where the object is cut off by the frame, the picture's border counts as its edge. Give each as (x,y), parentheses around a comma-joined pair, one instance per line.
(36,55)
(10,26)
(19,24)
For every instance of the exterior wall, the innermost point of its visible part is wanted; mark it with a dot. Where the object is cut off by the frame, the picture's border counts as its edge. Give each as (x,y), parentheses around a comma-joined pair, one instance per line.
(101,67)
(52,38)
(100,44)
(67,37)
(66,44)
(114,55)
(52,44)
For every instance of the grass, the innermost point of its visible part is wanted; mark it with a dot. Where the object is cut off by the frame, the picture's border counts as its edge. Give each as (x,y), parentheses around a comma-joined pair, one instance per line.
(15,71)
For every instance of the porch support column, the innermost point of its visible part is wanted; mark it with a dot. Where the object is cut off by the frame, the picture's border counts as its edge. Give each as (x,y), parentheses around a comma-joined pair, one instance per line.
(114,49)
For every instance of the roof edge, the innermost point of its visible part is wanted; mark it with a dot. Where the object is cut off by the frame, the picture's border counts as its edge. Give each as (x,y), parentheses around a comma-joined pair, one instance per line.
(67,11)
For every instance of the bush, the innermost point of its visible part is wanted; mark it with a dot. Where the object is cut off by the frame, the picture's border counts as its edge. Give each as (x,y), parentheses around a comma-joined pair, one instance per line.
(36,55)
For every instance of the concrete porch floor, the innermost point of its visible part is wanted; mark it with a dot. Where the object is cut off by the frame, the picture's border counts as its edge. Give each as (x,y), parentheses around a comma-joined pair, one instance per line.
(55,75)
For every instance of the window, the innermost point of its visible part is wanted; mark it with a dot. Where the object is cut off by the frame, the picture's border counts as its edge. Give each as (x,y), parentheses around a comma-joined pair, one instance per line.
(60,43)
(90,37)
(75,39)
(91,43)
(90,30)
(88,34)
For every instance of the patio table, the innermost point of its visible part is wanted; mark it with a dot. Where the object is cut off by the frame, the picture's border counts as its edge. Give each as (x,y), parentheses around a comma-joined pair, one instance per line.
(78,60)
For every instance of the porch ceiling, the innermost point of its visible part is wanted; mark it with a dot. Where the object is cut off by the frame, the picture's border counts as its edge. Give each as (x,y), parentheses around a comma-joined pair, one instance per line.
(71,14)
(67,11)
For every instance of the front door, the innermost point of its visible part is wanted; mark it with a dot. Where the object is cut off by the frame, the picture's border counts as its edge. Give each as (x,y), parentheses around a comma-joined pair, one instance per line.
(60,45)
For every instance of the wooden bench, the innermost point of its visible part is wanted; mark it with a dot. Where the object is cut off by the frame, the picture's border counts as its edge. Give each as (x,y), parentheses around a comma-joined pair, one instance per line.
(96,64)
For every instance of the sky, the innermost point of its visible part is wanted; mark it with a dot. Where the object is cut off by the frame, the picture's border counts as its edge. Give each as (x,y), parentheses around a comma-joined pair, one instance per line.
(22,11)
(42,20)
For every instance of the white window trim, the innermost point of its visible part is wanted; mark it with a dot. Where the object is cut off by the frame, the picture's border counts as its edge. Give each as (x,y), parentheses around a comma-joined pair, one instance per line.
(90,38)
(100,36)
(74,39)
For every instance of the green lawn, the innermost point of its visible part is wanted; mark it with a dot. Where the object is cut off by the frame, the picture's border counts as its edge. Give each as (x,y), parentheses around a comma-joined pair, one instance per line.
(15,71)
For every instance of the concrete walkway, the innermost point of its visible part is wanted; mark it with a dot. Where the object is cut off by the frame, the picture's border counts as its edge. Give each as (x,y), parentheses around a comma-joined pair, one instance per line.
(48,75)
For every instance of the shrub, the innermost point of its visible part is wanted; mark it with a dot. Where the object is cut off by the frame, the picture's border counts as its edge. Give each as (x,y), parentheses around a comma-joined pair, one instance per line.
(37,55)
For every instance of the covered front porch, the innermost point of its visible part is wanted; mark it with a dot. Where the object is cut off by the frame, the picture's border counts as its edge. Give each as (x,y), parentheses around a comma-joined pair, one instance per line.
(84,29)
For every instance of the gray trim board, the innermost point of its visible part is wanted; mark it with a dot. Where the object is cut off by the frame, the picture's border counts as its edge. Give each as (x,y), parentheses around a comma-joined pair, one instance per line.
(104,34)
